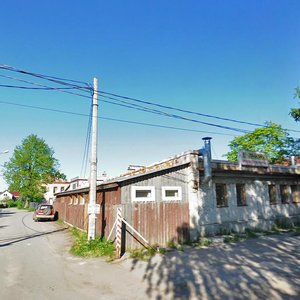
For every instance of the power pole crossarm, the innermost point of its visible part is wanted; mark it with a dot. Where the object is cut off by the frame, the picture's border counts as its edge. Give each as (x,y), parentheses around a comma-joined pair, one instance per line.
(93,174)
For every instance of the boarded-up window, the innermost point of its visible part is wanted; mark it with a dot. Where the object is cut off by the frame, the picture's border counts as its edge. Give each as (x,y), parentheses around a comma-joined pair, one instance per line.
(284,194)
(295,193)
(272,194)
(241,195)
(221,195)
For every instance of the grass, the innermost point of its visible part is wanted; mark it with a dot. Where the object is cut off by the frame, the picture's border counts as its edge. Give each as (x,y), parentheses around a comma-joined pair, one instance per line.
(101,247)
(94,248)
(60,222)
(146,253)
(173,245)
(202,242)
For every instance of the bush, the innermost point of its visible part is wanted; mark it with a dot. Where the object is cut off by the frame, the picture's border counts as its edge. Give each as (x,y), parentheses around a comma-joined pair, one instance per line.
(20,204)
(11,203)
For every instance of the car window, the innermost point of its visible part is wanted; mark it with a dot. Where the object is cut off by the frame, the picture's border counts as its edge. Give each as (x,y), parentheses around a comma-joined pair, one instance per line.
(45,207)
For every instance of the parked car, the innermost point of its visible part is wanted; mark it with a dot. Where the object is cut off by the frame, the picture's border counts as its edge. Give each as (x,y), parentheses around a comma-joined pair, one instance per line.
(44,212)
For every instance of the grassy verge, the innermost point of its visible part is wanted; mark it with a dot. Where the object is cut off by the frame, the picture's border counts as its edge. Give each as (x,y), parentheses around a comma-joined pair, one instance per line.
(101,247)
(94,248)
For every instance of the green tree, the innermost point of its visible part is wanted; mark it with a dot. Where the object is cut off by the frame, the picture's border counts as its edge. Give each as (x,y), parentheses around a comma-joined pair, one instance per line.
(31,166)
(295,112)
(271,139)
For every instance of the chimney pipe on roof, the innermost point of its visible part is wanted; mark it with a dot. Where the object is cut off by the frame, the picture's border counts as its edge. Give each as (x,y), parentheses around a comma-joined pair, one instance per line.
(206,153)
(293,163)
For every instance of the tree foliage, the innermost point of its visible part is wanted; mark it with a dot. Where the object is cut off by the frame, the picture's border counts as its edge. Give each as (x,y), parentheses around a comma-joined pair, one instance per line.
(295,112)
(271,139)
(31,166)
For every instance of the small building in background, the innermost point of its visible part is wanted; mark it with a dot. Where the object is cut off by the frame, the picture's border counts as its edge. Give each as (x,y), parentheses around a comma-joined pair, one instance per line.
(7,195)
(54,188)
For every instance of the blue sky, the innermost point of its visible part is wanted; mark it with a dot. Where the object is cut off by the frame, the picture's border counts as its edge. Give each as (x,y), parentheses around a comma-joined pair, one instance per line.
(234,59)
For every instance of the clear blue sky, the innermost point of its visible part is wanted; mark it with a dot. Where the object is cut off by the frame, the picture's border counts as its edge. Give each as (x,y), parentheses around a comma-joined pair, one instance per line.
(234,59)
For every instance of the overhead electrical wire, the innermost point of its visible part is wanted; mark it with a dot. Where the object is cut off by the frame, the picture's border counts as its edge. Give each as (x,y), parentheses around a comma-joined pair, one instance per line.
(154,111)
(88,88)
(186,111)
(45,86)
(47,77)
(33,88)
(179,109)
(113,119)
(133,106)
(107,95)
(86,146)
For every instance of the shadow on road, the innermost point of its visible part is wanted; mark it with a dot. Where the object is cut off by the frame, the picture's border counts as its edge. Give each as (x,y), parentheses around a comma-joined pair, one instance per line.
(5,214)
(266,267)
(10,241)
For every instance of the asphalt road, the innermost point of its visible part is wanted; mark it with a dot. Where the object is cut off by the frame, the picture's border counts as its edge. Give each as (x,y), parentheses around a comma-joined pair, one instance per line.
(35,264)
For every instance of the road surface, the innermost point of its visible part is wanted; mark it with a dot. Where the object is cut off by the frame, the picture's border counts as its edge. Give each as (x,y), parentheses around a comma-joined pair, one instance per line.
(35,264)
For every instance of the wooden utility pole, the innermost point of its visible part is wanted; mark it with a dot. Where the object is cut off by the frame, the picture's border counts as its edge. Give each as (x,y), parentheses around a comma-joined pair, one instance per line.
(93,174)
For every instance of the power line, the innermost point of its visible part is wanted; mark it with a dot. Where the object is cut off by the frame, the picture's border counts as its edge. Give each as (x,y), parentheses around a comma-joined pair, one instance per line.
(59,80)
(46,77)
(179,109)
(86,147)
(114,119)
(32,88)
(154,111)
(134,106)
(45,86)
(87,88)
(187,111)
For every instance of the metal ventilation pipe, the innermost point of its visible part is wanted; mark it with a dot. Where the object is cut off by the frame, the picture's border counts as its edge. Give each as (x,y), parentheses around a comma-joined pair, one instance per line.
(293,162)
(206,153)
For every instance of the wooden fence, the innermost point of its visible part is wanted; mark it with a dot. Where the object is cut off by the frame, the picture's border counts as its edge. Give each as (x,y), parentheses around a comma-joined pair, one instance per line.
(157,222)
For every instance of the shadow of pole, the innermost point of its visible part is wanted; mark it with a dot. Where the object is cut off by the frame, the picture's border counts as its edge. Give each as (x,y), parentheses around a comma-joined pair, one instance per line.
(10,241)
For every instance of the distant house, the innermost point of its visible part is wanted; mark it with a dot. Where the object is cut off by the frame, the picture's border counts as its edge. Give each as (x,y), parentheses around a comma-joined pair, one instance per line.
(7,195)
(61,186)
(77,183)
(54,188)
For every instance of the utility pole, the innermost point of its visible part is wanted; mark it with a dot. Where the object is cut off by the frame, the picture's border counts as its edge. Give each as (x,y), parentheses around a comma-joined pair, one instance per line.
(93,174)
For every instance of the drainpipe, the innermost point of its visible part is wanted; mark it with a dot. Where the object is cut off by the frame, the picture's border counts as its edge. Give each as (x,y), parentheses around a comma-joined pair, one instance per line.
(205,152)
